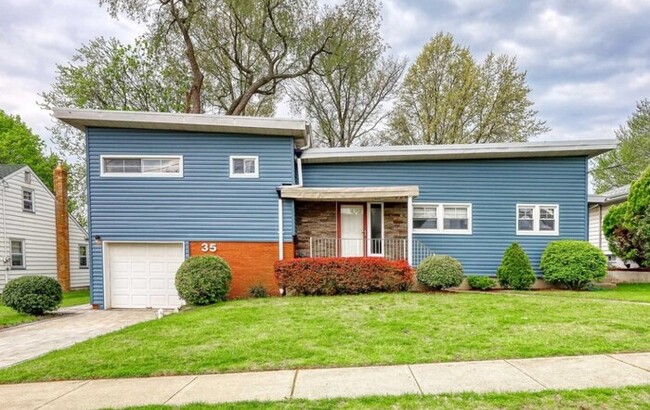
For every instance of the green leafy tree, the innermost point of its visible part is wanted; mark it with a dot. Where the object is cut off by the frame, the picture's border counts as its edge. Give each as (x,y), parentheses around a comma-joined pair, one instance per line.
(624,164)
(627,226)
(345,94)
(515,271)
(19,145)
(448,98)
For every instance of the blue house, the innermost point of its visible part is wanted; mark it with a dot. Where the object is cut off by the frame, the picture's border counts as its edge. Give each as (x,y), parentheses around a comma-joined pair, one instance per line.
(163,187)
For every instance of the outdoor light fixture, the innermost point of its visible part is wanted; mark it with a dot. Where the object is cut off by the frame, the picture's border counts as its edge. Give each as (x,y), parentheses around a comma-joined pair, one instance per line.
(98,240)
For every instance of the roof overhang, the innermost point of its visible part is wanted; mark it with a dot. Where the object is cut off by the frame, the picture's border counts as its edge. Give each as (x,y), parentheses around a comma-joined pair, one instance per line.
(231,124)
(606,200)
(588,148)
(384,193)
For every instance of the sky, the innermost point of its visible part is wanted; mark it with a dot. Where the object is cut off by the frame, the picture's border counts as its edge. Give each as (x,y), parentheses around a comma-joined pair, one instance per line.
(587,61)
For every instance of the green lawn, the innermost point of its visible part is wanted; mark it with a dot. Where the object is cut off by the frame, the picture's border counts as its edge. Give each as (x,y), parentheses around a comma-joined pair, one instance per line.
(633,292)
(9,317)
(303,332)
(630,398)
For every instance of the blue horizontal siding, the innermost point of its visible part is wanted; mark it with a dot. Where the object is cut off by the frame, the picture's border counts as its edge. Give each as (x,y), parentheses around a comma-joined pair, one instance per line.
(493,187)
(205,204)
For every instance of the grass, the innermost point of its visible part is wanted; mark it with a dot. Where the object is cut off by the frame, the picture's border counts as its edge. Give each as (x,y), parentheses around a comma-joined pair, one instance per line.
(631,398)
(632,292)
(9,317)
(304,332)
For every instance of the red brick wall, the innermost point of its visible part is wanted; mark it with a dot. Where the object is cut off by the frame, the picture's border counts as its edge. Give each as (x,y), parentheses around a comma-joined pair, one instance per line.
(251,264)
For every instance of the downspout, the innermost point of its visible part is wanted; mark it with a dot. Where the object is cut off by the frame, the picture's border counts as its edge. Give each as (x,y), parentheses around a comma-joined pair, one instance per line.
(6,257)
(280,230)
(409,221)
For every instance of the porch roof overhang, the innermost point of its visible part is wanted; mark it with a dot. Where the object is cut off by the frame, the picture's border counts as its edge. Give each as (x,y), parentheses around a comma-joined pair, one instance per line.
(383,193)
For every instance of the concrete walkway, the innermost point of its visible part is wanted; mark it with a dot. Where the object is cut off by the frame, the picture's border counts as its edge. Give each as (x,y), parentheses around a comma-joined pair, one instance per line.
(74,325)
(578,372)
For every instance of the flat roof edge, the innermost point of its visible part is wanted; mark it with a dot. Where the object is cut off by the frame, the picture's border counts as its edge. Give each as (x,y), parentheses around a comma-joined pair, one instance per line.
(83,119)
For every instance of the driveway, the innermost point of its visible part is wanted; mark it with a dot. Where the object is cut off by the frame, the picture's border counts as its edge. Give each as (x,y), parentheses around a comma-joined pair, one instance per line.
(75,325)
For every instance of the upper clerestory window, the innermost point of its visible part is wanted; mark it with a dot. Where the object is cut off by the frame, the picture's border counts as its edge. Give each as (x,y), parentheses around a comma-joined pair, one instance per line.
(142,166)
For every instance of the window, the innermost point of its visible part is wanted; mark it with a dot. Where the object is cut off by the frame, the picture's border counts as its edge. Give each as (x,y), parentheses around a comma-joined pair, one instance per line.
(28,177)
(538,219)
(17,254)
(83,256)
(28,200)
(442,218)
(142,166)
(376,216)
(244,167)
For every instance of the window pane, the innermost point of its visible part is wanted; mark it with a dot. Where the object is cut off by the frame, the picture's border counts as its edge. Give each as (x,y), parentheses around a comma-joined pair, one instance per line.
(425,212)
(547,213)
(455,223)
(375,229)
(16,260)
(16,247)
(525,225)
(113,165)
(249,166)
(455,212)
(425,223)
(455,218)
(83,251)
(172,165)
(238,166)
(525,213)
(133,165)
(151,166)
(546,224)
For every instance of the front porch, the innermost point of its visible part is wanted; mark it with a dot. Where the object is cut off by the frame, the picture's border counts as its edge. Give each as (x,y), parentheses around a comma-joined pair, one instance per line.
(353,222)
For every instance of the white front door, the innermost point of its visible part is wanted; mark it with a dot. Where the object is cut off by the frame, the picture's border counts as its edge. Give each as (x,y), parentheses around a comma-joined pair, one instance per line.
(352,233)
(142,274)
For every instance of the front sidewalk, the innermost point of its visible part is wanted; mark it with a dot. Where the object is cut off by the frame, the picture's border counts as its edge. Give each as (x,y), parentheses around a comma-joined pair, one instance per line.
(578,372)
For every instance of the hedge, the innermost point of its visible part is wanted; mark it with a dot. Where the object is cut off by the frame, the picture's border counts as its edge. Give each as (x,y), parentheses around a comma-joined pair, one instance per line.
(481,282)
(336,276)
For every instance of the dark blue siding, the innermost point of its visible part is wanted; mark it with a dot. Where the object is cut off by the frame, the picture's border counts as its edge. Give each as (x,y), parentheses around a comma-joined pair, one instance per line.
(205,204)
(493,187)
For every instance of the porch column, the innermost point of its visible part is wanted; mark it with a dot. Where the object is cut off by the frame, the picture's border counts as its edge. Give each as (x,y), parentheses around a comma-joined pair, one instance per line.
(409,221)
(280,231)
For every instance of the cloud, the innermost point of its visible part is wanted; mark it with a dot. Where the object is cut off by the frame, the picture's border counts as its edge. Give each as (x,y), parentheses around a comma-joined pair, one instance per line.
(587,61)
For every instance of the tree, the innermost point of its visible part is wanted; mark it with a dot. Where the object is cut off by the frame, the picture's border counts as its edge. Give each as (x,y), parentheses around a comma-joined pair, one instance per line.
(243,48)
(106,74)
(19,145)
(624,164)
(343,96)
(447,98)
(627,226)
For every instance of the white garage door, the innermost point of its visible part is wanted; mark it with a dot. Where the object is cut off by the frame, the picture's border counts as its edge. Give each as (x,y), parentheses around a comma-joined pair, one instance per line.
(142,275)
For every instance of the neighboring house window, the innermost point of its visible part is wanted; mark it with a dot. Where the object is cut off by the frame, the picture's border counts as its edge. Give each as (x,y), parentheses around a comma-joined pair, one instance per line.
(83,256)
(17,254)
(28,200)
(538,219)
(442,218)
(28,177)
(244,167)
(142,166)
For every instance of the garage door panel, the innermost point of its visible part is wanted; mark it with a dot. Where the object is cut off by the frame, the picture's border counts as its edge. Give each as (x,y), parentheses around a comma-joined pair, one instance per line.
(142,275)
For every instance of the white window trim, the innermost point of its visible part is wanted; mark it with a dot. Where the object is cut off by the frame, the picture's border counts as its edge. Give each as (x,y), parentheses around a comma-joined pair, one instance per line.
(440,217)
(103,173)
(24,253)
(536,231)
(256,174)
(368,251)
(79,256)
(22,200)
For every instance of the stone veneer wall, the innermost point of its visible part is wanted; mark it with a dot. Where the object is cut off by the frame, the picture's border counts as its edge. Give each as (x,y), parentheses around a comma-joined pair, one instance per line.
(318,220)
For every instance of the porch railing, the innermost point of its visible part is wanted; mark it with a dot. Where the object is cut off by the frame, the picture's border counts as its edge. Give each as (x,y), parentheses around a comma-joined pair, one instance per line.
(389,248)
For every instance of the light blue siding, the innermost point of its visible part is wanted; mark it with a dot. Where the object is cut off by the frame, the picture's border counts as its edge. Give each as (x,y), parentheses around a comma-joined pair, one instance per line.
(493,187)
(205,204)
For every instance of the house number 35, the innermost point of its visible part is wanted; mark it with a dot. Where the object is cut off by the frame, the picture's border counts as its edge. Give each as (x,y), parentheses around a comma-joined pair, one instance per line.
(208,247)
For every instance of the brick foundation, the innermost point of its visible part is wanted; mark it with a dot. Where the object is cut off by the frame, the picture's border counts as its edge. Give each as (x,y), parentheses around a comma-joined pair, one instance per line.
(251,264)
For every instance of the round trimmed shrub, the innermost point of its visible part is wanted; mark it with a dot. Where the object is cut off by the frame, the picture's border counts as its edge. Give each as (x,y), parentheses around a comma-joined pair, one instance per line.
(515,271)
(440,272)
(203,280)
(574,264)
(33,295)
(258,291)
(481,282)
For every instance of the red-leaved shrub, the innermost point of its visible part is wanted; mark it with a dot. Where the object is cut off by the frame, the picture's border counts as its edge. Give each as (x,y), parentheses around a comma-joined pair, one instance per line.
(335,276)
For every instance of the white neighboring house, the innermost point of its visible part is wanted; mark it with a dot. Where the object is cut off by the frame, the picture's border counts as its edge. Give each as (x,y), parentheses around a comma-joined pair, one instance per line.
(598,207)
(28,232)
